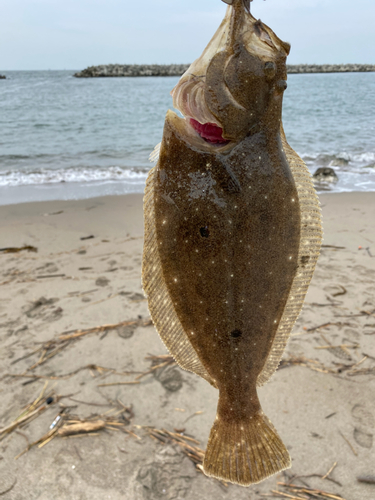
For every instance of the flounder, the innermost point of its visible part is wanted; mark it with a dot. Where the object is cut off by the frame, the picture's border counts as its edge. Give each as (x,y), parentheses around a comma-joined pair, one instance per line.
(232,236)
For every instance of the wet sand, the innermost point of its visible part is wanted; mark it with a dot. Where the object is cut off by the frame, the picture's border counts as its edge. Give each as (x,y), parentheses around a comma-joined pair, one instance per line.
(321,400)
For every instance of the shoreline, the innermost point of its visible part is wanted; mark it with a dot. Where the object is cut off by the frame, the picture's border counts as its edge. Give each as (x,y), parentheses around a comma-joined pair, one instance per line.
(96,197)
(133,70)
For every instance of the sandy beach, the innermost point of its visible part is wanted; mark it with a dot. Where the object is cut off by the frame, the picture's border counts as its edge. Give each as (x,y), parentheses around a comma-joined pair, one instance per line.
(74,328)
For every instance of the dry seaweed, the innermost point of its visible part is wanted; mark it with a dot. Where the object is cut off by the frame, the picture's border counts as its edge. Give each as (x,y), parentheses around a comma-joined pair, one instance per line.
(100,369)
(157,362)
(296,492)
(66,425)
(366,479)
(50,348)
(186,443)
(329,304)
(54,213)
(28,248)
(349,443)
(362,313)
(342,346)
(363,371)
(31,411)
(101,300)
(324,325)
(119,383)
(9,489)
(50,276)
(331,415)
(199,412)
(321,476)
(343,291)
(369,313)
(317,366)
(89,403)
(309,363)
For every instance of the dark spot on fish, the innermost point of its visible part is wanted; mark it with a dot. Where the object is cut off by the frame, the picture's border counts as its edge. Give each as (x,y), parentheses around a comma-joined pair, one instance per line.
(282,85)
(236,334)
(205,233)
(265,216)
(305,259)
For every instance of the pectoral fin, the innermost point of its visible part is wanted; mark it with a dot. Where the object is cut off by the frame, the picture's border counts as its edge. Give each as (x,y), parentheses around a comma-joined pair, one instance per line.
(154,156)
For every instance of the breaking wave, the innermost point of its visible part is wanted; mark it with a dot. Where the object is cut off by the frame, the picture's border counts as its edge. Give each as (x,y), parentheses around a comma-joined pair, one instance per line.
(355,171)
(351,160)
(39,176)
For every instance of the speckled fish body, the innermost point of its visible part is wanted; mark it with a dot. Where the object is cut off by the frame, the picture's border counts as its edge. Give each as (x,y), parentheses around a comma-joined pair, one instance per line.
(232,235)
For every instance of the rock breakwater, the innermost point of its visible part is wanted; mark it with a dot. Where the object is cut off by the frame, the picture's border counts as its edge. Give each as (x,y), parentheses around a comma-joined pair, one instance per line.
(117,70)
(330,68)
(114,70)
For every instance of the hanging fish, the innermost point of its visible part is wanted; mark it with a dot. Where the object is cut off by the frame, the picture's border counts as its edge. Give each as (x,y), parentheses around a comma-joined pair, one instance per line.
(232,236)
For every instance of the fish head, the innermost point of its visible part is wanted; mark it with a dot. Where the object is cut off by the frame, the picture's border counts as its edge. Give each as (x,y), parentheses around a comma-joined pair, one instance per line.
(236,85)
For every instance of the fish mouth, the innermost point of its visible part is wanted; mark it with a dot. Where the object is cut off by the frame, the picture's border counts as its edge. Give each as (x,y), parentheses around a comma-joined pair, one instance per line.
(200,123)
(210,132)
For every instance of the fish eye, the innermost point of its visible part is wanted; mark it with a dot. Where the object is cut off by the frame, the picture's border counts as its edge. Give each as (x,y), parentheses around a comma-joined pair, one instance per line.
(270,70)
(204,231)
(282,85)
(236,334)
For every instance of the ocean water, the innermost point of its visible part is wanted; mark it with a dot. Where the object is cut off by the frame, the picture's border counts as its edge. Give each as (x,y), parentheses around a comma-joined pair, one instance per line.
(62,137)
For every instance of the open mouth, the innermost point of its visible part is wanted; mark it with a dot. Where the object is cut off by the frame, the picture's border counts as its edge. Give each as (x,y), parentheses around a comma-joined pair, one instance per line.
(210,132)
(189,99)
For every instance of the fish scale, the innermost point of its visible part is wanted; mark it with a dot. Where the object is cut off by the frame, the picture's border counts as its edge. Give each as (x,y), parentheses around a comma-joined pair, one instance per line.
(232,235)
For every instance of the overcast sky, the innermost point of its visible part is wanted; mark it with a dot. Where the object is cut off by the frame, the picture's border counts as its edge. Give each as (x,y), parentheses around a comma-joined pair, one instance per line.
(73,34)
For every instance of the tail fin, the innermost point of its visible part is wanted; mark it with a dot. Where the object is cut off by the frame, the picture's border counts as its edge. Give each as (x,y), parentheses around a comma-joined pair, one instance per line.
(245,452)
